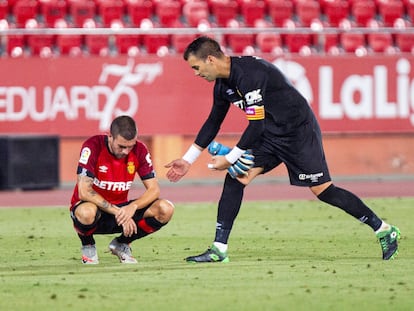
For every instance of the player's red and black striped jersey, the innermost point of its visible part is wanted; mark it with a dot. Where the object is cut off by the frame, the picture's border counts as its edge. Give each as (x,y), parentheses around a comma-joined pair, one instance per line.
(113,177)
(271,103)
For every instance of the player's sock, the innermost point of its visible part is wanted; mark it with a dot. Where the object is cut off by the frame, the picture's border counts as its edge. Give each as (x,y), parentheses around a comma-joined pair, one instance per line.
(86,239)
(384,227)
(351,204)
(228,208)
(145,226)
(221,246)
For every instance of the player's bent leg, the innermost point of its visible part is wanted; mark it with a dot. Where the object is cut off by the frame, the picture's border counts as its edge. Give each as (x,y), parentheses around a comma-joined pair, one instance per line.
(85,218)
(253,172)
(157,215)
(353,205)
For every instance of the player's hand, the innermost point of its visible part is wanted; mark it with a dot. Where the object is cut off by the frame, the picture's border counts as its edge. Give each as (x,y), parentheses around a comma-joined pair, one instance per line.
(129,228)
(121,217)
(177,169)
(242,166)
(129,210)
(219,163)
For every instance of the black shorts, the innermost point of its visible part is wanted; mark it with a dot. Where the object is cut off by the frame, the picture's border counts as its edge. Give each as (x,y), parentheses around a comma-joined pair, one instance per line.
(105,223)
(302,153)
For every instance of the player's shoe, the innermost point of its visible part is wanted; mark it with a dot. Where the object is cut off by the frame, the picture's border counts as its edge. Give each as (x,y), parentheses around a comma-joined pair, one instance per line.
(122,250)
(89,255)
(388,240)
(210,255)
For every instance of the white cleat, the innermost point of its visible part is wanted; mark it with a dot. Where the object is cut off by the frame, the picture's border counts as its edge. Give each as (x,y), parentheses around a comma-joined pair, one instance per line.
(122,250)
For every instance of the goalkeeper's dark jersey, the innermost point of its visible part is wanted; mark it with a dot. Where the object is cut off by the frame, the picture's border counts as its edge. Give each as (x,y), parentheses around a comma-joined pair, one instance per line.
(272,105)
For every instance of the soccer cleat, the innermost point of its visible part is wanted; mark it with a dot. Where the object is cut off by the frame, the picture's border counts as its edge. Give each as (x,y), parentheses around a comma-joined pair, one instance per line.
(89,255)
(122,250)
(210,255)
(388,240)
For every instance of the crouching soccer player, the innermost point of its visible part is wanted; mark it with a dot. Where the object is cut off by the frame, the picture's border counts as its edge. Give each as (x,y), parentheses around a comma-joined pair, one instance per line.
(106,170)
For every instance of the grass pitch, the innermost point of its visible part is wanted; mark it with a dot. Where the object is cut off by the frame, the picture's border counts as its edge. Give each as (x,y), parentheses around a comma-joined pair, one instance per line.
(285,255)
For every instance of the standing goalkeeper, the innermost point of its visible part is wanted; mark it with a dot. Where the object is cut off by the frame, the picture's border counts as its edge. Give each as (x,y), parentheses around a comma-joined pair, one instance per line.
(282,129)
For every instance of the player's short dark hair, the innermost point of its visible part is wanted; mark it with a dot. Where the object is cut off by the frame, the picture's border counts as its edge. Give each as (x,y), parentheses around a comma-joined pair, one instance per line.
(202,47)
(124,126)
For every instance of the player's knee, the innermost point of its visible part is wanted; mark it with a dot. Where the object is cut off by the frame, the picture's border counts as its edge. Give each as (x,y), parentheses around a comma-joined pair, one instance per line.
(165,210)
(86,214)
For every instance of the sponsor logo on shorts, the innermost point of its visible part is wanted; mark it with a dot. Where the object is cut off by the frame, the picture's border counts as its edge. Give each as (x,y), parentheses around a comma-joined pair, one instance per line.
(311,177)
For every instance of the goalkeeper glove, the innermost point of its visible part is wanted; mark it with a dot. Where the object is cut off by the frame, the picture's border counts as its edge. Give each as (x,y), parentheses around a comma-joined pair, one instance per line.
(238,168)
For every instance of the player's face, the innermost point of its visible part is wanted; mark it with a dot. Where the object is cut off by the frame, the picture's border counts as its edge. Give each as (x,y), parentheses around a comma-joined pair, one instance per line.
(120,147)
(203,68)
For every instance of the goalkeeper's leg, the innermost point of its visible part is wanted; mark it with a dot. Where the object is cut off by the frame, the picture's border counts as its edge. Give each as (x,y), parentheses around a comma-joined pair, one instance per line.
(228,208)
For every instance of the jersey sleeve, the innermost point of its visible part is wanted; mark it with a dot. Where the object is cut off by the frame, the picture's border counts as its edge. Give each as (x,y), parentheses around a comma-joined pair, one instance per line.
(145,165)
(214,120)
(89,156)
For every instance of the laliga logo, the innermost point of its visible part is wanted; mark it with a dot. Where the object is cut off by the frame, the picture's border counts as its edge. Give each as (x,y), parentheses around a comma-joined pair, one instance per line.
(297,75)
(129,76)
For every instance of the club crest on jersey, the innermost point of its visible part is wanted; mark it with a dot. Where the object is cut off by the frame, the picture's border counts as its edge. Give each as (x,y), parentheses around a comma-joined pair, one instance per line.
(131,167)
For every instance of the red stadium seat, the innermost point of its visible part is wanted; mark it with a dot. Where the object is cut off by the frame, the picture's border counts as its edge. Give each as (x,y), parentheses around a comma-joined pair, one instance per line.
(296,41)
(410,10)
(138,10)
(224,11)
(97,44)
(180,41)
(252,10)
(153,42)
(15,45)
(23,10)
(307,11)
(405,42)
(168,12)
(380,42)
(280,11)
(125,43)
(4,9)
(240,41)
(110,10)
(41,44)
(363,11)
(390,10)
(336,11)
(351,41)
(53,10)
(268,42)
(195,12)
(81,10)
(69,44)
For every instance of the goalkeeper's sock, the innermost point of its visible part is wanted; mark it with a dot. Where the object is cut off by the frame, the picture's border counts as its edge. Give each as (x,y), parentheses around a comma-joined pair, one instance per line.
(351,204)
(221,246)
(228,208)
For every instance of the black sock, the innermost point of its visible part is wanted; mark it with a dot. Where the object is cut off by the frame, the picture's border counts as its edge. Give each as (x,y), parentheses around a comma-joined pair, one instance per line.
(86,239)
(351,204)
(228,208)
(145,226)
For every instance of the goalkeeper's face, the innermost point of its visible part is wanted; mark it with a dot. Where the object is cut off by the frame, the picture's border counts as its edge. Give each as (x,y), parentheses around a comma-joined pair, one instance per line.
(205,69)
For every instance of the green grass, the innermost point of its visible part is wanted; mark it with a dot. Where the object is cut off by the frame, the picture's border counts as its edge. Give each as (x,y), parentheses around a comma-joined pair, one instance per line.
(287,255)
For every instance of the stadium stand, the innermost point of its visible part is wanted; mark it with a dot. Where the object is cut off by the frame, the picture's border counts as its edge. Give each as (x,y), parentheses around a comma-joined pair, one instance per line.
(292,26)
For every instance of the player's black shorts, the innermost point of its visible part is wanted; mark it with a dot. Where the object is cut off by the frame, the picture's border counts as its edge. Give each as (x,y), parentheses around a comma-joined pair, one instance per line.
(302,153)
(104,223)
